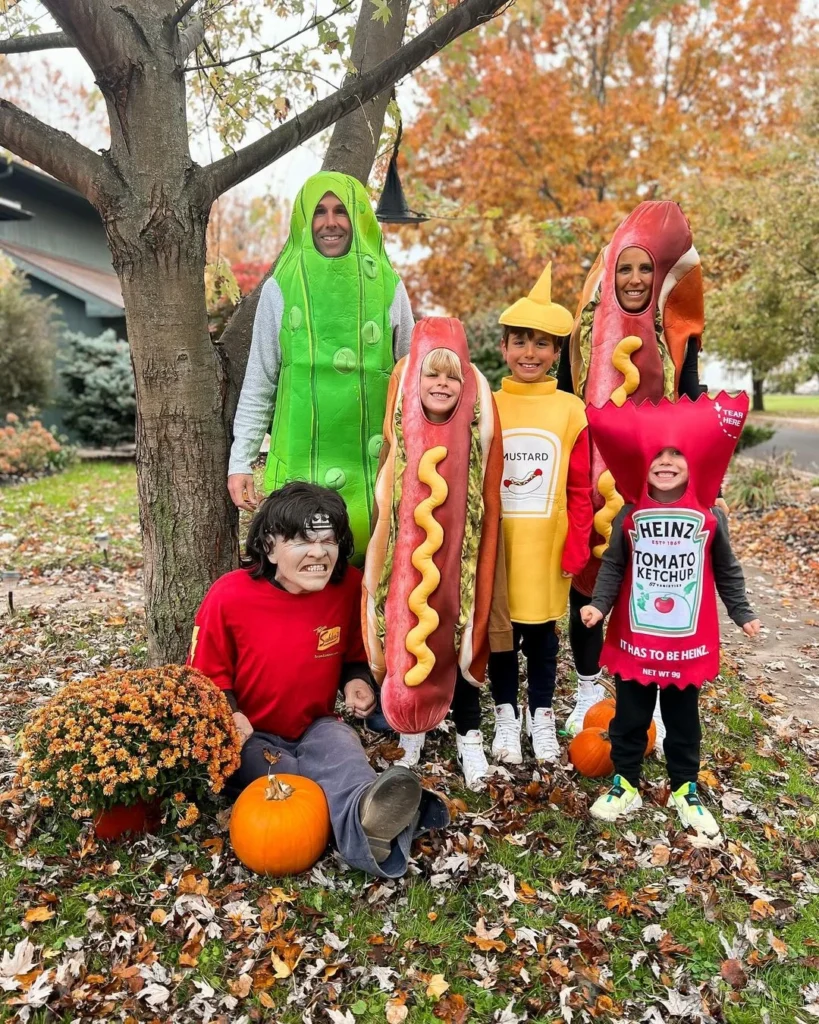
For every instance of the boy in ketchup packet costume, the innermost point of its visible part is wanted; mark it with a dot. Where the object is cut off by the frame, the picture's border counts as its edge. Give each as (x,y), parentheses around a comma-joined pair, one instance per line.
(547,515)
(668,557)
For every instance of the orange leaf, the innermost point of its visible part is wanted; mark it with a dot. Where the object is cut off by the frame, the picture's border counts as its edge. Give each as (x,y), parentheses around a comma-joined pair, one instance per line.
(38,914)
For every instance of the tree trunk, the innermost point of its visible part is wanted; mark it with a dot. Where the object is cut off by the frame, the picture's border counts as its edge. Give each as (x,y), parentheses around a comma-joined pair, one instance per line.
(759,401)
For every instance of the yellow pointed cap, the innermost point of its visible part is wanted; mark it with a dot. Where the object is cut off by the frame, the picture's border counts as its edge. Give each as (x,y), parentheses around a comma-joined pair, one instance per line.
(537,311)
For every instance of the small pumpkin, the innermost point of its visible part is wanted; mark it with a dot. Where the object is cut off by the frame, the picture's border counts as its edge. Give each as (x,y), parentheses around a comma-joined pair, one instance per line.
(280,825)
(590,751)
(600,714)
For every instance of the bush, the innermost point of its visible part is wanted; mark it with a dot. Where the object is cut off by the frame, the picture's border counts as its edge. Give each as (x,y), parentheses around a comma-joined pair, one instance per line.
(757,485)
(98,382)
(483,332)
(28,449)
(28,336)
(752,435)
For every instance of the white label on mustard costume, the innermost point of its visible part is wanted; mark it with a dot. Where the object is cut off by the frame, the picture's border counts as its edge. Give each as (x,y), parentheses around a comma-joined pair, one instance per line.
(667,567)
(531,461)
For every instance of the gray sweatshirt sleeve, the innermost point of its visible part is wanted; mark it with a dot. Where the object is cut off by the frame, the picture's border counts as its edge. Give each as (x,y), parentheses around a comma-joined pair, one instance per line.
(728,575)
(613,567)
(254,412)
(402,321)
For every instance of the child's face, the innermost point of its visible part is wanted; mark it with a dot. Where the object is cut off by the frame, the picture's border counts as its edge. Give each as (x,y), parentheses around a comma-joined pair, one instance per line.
(633,279)
(668,475)
(304,564)
(529,358)
(439,395)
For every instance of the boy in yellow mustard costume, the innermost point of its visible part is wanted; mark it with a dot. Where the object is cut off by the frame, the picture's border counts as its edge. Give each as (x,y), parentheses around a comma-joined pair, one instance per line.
(547,514)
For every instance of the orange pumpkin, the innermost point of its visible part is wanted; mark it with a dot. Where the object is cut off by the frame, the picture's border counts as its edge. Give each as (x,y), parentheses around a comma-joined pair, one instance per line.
(600,714)
(590,751)
(280,825)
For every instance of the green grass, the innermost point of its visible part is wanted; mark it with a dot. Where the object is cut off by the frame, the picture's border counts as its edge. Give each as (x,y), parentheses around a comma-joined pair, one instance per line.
(54,520)
(792,405)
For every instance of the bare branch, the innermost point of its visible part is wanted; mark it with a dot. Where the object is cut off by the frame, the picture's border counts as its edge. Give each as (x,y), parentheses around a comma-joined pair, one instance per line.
(56,152)
(183,10)
(190,37)
(269,49)
(28,44)
(224,174)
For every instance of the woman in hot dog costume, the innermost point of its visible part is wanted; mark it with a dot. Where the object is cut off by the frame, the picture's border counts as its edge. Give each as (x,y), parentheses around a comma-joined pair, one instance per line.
(434,586)
(637,334)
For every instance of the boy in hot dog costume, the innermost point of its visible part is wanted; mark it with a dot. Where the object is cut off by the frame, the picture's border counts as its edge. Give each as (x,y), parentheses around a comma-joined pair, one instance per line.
(668,554)
(637,333)
(547,514)
(434,589)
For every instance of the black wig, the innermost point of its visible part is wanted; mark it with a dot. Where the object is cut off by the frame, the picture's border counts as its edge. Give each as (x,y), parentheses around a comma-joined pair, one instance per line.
(289,513)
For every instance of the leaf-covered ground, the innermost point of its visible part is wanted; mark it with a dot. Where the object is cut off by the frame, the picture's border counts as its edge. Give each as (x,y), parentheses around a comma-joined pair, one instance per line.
(523,910)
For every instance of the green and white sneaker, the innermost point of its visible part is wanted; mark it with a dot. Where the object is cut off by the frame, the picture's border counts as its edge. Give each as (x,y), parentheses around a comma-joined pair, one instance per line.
(691,811)
(621,801)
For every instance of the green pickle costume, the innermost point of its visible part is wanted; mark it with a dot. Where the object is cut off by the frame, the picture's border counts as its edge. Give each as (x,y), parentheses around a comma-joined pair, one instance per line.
(336,355)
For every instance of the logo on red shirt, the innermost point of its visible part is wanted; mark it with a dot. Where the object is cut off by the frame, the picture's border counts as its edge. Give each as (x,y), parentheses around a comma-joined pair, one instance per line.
(328,636)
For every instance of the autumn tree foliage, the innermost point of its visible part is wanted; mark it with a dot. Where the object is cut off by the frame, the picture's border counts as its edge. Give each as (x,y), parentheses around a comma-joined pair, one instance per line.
(538,135)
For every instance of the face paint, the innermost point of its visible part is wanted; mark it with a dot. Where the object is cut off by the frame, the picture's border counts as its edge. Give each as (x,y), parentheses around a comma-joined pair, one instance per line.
(305,563)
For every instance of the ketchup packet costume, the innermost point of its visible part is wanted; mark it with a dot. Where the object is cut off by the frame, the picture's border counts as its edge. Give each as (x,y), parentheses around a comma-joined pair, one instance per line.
(616,354)
(430,568)
(664,627)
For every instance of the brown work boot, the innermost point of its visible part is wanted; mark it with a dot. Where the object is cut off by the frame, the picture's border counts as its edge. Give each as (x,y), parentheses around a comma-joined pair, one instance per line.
(387,808)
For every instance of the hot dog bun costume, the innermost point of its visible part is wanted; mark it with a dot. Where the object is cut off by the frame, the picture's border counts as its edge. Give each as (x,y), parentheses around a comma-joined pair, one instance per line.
(546,518)
(430,566)
(617,355)
(664,627)
(336,354)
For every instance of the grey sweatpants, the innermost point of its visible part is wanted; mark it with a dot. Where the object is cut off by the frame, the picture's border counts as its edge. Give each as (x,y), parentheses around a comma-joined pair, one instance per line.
(330,753)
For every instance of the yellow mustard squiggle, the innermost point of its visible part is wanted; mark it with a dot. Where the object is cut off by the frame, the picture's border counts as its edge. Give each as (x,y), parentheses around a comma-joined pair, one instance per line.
(422,560)
(621,360)
(605,516)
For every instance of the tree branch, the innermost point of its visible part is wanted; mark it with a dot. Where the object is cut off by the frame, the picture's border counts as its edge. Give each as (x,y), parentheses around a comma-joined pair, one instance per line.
(190,37)
(182,11)
(269,49)
(28,44)
(56,152)
(223,174)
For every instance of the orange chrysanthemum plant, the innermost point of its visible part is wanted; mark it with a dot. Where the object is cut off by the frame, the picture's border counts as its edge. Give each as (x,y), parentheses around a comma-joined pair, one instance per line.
(154,735)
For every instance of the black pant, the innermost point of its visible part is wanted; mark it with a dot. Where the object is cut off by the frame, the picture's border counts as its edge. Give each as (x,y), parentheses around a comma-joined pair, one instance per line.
(466,706)
(629,730)
(586,644)
(539,644)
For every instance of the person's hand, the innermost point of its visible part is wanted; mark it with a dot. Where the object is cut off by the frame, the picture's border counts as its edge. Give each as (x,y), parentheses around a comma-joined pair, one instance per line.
(242,491)
(590,615)
(359,698)
(243,726)
(752,628)
(566,575)
(723,504)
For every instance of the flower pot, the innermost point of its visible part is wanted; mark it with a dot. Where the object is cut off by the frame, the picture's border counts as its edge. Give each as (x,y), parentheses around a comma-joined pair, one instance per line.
(118,820)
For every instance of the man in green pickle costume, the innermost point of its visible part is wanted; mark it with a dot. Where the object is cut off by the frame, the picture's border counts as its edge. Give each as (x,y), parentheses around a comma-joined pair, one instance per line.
(331,323)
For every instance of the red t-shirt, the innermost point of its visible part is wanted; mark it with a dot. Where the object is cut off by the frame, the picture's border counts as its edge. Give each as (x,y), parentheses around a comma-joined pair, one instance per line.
(282,654)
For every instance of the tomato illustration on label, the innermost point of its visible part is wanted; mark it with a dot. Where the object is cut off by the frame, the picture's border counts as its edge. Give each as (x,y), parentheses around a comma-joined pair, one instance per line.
(664,604)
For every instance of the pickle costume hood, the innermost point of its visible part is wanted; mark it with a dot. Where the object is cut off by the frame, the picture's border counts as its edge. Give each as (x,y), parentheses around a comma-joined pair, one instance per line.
(325,339)
(667,560)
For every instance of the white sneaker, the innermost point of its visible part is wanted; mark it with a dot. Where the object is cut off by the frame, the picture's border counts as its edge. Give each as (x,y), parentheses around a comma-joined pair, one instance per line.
(589,693)
(658,721)
(413,744)
(506,743)
(473,759)
(541,728)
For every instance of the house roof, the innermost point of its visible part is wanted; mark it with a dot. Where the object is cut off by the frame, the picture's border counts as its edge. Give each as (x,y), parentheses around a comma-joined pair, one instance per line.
(98,289)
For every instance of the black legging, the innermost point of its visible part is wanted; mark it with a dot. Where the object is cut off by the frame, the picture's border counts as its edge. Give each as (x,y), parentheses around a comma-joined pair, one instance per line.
(466,706)
(586,644)
(539,644)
